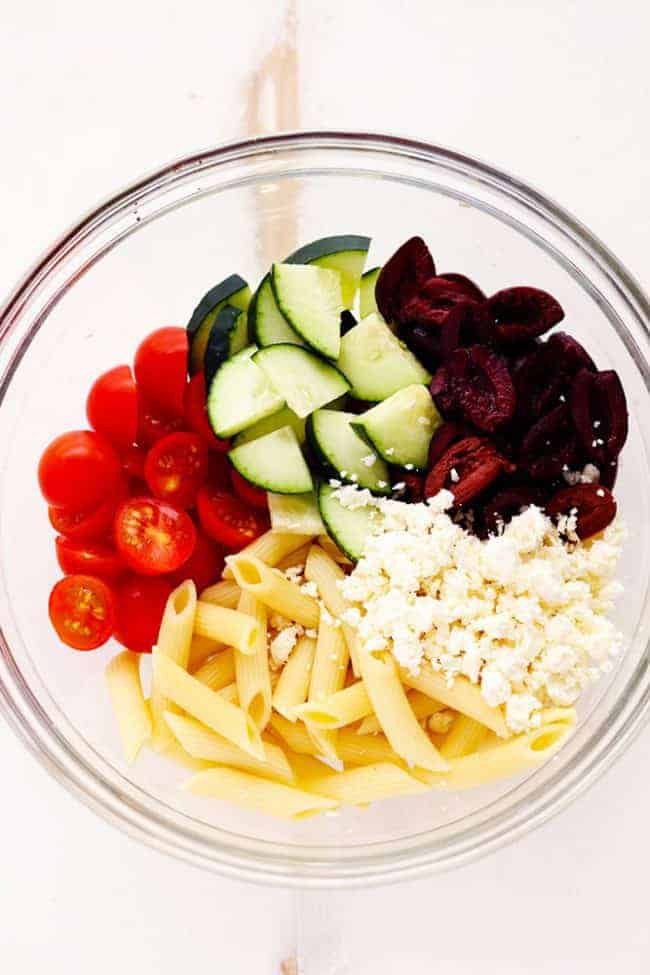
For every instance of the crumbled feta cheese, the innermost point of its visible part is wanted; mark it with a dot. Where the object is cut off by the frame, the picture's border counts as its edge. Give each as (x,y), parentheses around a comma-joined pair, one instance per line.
(409,467)
(390,451)
(382,484)
(310,589)
(423,421)
(399,486)
(369,460)
(294,573)
(453,476)
(282,645)
(335,483)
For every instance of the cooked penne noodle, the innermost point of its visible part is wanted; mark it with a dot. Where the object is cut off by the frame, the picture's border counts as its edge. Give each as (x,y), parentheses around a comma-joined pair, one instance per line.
(327,677)
(399,724)
(365,749)
(294,559)
(440,722)
(293,733)
(201,649)
(367,783)
(293,684)
(130,708)
(227,626)
(260,795)
(322,570)
(252,670)
(174,640)
(421,705)
(464,738)
(462,696)
(224,593)
(270,548)
(199,742)
(229,693)
(218,670)
(176,753)
(338,709)
(331,549)
(206,706)
(274,590)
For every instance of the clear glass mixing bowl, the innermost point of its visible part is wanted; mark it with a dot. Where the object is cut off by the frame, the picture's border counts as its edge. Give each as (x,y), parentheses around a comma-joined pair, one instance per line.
(141,260)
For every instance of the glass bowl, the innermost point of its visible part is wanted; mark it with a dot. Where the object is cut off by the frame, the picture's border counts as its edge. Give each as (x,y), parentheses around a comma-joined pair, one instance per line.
(142,260)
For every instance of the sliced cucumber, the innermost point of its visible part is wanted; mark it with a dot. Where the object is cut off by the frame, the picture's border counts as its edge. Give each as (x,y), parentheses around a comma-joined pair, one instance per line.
(234,291)
(311,300)
(274,462)
(349,528)
(345,253)
(295,514)
(266,323)
(376,363)
(367,300)
(400,428)
(301,378)
(342,454)
(283,418)
(240,395)
(228,336)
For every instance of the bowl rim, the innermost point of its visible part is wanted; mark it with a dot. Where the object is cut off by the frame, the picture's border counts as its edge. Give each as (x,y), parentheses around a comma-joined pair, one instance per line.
(71,770)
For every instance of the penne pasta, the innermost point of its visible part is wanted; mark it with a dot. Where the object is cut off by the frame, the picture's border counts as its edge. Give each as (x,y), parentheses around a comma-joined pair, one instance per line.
(331,549)
(421,705)
(227,626)
(322,570)
(367,783)
(274,590)
(462,696)
(229,693)
(224,593)
(464,738)
(294,559)
(293,733)
(327,677)
(252,670)
(365,749)
(201,649)
(258,794)
(270,548)
(440,722)
(293,684)
(174,641)
(218,670)
(130,708)
(339,709)
(177,754)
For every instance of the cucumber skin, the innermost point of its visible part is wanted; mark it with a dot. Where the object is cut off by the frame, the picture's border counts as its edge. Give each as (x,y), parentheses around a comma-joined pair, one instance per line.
(217,349)
(321,489)
(252,316)
(220,292)
(325,246)
(308,343)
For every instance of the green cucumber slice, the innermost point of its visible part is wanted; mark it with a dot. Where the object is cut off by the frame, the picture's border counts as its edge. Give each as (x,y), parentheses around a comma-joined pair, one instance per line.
(367,300)
(343,454)
(273,462)
(240,395)
(234,291)
(311,300)
(283,418)
(228,336)
(376,363)
(295,514)
(300,377)
(345,253)
(400,428)
(349,528)
(266,323)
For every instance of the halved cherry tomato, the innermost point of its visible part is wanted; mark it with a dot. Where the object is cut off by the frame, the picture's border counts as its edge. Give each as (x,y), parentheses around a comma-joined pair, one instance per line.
(112,406)
(161,369)
(152,536)
(204,566)
(196,415)
(139,606)
(78,470)
(82,611)
(228,520)
(152,426)
(133,459)
(252,495)
(88,558)
(176,467)
(86,525)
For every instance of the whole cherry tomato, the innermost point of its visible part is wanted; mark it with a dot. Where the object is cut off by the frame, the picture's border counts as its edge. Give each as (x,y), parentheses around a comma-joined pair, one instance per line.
(78,470)
(161,369)
(112,406)
(139,606)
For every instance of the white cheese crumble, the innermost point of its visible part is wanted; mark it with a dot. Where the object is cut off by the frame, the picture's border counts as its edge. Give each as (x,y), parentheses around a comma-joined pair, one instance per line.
(369,460)
(522,614)
(281,645)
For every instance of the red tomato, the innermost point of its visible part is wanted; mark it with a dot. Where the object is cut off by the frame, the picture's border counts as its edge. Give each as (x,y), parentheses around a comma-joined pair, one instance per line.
(78,470)
(82,611)
(218,472)
(228,520)
(152,536)
(139,606)
(85,525)
(88,558)
(112,406)
(152,427)
(161,369)
(252,495)
(204,565)
(196,415)
(176,467)
(133,461)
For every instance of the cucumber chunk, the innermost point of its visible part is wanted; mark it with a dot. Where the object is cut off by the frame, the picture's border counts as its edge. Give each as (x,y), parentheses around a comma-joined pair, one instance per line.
(274,462)
(311,300)
(342,454)
(283,418)
(376,363)
(240,395)
(367,300)
(345,253)
(233,291)
(266,323)
(301,378)
(349,528)
(400,428)
(228,336)
(295,514)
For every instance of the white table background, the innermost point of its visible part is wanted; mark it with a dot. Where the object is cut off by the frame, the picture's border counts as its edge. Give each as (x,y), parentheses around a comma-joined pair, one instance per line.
(93,95)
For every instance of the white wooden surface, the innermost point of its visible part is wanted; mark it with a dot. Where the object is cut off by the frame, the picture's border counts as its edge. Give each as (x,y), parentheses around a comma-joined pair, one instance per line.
(94,95)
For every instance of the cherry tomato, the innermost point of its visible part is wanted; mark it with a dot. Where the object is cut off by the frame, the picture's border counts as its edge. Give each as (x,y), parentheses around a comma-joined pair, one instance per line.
(78,470)
(152,426)
(82,611)
(112,406)
(204,565)
(218,472)
(252,495)
(86,525)
(139,606)
(152,536)
(161,369)
(228,520)
(133,461)
(196,415)
(88,558)
(176,467)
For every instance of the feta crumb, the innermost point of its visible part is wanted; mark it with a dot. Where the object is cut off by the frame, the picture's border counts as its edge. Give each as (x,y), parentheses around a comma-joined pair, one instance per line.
(382,484)
(423,421)
(311,633)
(453,476)
(390,451)
(335,483)
(409,467)
(369,460)
(399,486)
(282,645)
